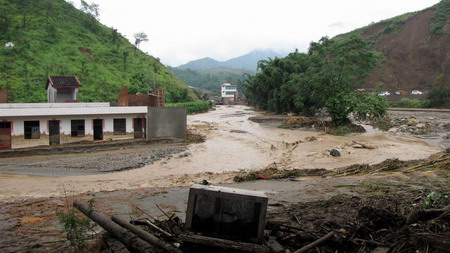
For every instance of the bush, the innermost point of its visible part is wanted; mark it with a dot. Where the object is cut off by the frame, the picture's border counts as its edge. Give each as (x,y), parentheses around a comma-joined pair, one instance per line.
(193,107)
(341,131)
(384,124)
(439,97)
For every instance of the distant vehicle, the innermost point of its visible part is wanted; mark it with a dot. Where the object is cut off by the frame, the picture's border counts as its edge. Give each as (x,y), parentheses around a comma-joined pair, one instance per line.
(416,92)
(398,93)
(384,93)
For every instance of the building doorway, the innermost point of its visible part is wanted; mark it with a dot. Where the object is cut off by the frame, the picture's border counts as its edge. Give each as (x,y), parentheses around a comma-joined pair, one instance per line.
(5,135)
(139,128)
(53,131)
(98,129)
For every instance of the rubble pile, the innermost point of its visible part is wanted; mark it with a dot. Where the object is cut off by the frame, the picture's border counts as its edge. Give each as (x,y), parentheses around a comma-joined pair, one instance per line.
(412,125)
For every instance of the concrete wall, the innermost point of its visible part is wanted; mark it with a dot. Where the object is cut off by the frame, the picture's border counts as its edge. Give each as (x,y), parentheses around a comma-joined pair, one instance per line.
(166,122)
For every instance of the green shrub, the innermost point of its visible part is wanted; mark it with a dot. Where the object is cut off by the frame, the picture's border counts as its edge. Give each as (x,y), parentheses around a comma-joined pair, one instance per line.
(384,124)
(194,107)
(439,97)
(341,131)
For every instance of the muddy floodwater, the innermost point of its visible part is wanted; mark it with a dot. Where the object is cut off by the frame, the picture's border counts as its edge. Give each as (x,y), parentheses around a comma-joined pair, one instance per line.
(233,143)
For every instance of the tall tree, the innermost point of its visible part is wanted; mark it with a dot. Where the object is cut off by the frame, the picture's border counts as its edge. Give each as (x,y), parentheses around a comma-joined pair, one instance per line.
(140,37)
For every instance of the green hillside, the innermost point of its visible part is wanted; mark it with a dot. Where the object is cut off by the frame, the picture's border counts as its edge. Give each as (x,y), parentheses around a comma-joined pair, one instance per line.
(211,79)
(52,37)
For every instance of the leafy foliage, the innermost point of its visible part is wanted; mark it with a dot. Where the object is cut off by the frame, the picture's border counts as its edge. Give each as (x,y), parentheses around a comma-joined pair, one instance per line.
(194,107)
(324,78)
(76,228)
(439,97)
(52,37)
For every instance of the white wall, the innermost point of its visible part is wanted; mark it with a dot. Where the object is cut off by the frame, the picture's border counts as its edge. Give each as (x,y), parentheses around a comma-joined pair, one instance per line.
(65,124)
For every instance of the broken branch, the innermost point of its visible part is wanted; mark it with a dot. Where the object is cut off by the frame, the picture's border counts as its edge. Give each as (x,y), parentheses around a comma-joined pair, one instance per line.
(316,243)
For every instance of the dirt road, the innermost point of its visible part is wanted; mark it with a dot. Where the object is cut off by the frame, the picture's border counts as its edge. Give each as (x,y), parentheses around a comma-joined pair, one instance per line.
(233,143)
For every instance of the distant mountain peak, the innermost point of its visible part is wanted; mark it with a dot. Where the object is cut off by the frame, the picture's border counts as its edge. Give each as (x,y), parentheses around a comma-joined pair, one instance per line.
(248,61)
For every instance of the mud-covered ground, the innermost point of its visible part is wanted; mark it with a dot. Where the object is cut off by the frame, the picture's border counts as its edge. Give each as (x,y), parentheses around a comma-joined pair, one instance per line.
(33,187)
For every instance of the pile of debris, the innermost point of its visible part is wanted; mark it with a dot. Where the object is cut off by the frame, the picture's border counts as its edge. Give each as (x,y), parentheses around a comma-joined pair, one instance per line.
(340,224)
(412,125)
(317,124)
(272,172)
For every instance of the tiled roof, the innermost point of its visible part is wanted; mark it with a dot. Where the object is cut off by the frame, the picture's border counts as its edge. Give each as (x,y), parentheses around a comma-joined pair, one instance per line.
(63,81)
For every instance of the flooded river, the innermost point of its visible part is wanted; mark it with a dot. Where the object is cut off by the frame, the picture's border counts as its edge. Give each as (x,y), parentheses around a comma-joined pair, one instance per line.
(233,143)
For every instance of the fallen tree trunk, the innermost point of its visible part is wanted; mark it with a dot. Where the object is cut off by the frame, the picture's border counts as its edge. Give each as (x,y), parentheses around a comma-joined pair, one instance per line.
(128,239)
(144,235)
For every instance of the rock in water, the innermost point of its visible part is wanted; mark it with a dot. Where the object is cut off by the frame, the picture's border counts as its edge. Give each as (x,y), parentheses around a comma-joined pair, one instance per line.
(335,152)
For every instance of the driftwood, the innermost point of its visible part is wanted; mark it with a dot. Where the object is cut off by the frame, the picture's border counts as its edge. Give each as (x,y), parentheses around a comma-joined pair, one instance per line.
(249,247)
(316,243)
(128,239)
(144,235)
(363,145)
(426,214)
(162,231)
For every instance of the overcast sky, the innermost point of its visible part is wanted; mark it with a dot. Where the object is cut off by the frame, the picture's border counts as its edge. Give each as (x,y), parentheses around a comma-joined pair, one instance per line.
(183,30)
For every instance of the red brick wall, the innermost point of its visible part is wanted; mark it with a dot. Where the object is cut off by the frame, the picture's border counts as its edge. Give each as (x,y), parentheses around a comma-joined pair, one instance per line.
(3,96)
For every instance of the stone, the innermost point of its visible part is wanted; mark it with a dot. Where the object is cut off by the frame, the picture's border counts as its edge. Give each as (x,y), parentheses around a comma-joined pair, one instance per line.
(335,152)
(412,121)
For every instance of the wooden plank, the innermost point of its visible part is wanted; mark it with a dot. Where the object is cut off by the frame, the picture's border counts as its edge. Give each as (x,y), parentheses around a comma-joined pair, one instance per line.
(216,242)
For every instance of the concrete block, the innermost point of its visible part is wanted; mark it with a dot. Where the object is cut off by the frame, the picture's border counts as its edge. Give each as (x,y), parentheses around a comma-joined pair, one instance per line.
(227,213)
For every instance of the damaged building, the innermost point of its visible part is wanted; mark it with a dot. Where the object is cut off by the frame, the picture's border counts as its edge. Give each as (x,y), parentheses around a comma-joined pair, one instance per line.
(63,120)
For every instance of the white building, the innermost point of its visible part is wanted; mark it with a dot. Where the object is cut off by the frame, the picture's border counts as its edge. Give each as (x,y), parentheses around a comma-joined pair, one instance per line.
(229,93)
(36,124)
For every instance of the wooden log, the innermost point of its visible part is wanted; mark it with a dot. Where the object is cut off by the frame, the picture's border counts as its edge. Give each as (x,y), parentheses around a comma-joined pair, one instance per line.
(144,235)
(128,239)
(216,242)
(426,214)
(316,243)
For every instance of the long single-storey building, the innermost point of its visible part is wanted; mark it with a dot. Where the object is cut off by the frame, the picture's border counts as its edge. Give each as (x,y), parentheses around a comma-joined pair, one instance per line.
(36,124)
(26,125)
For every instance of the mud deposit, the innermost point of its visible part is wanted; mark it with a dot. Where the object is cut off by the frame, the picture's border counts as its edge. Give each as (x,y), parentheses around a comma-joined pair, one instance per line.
(232,145)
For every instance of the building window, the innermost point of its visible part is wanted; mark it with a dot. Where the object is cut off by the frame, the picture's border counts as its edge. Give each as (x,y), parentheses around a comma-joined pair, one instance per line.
(230,93)
(230,87)
(77,127)
(120,126)
(31,129)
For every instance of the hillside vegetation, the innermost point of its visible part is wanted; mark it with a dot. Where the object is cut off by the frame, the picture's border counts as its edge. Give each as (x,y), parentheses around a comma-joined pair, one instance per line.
(211,79)
(52,37)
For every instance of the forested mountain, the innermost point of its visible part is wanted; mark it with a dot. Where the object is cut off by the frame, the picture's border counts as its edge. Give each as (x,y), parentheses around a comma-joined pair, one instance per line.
(246,62)
(211,79)
(416,48)
(51,37)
